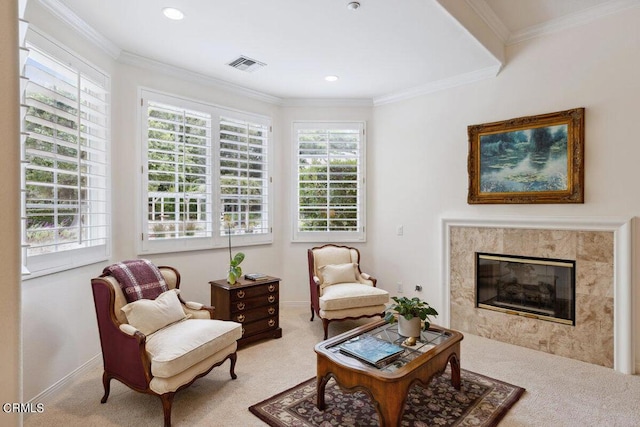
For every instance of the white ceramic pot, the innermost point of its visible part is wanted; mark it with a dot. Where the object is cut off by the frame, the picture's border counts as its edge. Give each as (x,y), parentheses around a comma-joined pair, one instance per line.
(409,328)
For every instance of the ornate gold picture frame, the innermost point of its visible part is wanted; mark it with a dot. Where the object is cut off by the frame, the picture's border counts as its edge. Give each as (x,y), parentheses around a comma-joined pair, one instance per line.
(534,159)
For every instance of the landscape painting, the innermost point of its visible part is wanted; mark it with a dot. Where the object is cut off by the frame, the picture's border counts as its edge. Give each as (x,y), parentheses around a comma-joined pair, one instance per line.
(536,159)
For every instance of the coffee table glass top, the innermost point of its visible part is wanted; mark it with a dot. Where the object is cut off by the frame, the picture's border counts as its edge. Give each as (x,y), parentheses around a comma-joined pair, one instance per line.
(389,332)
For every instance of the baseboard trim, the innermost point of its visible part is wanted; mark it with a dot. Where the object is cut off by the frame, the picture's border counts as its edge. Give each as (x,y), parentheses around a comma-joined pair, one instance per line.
(46,396)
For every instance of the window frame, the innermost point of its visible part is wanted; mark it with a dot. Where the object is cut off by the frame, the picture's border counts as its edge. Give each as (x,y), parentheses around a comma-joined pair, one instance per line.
(358,236)
(47,263)
(217,239)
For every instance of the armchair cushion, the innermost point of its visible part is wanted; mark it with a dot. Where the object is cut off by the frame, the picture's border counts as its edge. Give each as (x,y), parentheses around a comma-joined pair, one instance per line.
(148,316)
(338,273)
(174,349)
(352,295)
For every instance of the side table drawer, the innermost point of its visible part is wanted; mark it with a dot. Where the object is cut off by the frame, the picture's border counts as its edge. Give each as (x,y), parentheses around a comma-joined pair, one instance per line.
(258,326)
(246,293)
(251,303)
(249,316)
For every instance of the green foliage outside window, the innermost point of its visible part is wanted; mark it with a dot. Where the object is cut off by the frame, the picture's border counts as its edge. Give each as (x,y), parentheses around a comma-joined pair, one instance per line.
(328,180)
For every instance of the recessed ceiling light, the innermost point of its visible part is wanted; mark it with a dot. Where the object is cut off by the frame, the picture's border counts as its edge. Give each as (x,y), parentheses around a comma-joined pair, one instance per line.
(173,13)
(331,78)
(353,5)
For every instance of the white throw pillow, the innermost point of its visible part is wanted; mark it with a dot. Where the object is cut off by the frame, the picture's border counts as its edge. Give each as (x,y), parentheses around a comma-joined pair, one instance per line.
(338,273)
(148,315)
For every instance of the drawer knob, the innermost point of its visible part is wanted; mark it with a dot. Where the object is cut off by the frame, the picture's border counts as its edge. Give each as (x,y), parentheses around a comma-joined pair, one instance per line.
(271,298)
(240,294)
(241,318)
(240,306)
(272,322)
(271,310)
(272,288)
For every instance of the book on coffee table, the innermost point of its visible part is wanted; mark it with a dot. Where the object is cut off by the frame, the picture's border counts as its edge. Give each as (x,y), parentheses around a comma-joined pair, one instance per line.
(372,350)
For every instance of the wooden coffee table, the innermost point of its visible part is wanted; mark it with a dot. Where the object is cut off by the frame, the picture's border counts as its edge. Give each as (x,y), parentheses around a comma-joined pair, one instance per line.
(389,385)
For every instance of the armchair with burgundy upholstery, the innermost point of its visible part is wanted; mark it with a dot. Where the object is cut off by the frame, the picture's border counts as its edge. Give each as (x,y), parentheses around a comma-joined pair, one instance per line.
(339,289)
(153,341)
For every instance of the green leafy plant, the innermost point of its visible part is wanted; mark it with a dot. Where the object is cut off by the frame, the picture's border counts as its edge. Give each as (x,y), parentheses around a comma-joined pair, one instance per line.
(410,308)
(235,271)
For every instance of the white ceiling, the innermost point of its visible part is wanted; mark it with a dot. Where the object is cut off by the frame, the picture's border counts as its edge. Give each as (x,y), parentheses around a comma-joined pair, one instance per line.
(382,51)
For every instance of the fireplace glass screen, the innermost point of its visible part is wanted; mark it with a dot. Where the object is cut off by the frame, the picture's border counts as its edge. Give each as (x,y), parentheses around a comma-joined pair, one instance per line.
(532,287)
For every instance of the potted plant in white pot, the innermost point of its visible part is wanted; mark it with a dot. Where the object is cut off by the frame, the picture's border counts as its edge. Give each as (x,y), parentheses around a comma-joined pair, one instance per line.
(410,314)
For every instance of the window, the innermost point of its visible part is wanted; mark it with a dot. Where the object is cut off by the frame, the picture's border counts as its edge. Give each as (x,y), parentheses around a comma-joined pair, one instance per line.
(205,175)
(179,172)
(330,184)
(244,186)
(64,156)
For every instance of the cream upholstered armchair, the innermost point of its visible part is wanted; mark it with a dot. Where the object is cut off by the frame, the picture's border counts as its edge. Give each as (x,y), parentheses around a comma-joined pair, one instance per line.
(339,290)
(152,340)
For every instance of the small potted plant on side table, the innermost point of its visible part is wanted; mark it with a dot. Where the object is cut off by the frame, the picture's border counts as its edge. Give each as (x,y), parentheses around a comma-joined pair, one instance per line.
(410,313)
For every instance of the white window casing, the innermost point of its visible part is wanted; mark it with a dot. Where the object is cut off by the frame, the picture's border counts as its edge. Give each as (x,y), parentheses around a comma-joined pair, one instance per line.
(205,173)
(65,168)
(329,182)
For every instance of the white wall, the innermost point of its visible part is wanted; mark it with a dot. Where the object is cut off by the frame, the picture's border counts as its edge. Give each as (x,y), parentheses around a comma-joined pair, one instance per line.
(417,151)
(58,315)
(419,161)
(294,255)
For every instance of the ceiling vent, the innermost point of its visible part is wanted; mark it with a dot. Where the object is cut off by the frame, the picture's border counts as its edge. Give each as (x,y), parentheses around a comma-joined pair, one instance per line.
(246,64)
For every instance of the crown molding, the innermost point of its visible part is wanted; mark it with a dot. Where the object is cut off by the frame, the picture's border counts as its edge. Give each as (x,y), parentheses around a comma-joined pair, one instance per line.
(70,18)
(482,8)
(192,76)
(327,102)
(459,80)
(129,58)
(576,19)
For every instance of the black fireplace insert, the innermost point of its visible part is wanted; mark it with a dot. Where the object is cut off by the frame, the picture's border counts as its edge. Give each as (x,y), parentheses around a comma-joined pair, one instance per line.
(540,288)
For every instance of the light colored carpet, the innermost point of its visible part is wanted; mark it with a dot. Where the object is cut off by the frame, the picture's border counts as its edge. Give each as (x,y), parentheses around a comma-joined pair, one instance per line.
(559,391)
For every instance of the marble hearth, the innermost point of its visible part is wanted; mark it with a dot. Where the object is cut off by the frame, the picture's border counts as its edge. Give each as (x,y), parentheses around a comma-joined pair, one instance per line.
(601,249)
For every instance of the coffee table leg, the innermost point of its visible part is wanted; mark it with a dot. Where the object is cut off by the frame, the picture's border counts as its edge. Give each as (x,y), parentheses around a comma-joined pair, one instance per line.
(390,400)
(455,371)
(322,383)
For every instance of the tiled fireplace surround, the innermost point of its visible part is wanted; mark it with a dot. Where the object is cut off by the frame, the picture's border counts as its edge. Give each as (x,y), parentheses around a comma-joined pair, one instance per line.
(602,251)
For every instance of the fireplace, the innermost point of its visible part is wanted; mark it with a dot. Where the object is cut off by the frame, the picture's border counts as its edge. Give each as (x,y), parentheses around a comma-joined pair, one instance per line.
(538,288)
(602,249)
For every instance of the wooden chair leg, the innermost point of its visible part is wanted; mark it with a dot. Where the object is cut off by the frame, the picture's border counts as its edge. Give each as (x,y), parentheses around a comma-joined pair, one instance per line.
(312,313)
(325,325)
(233,357)
(106,382)
(167,401)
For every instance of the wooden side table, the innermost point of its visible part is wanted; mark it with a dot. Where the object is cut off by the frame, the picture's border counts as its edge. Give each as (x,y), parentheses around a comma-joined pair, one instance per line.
(255,304)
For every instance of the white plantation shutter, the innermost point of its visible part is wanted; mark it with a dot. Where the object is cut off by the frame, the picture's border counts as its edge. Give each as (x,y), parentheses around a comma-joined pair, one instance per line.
(65,137)
(178,172)
(244,176)
(330,182)
(205,175)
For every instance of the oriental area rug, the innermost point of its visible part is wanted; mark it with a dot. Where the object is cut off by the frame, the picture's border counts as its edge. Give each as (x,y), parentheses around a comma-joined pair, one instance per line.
(481,401)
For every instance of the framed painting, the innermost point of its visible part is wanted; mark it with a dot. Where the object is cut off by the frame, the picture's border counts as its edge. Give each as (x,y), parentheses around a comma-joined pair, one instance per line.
(534,159)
